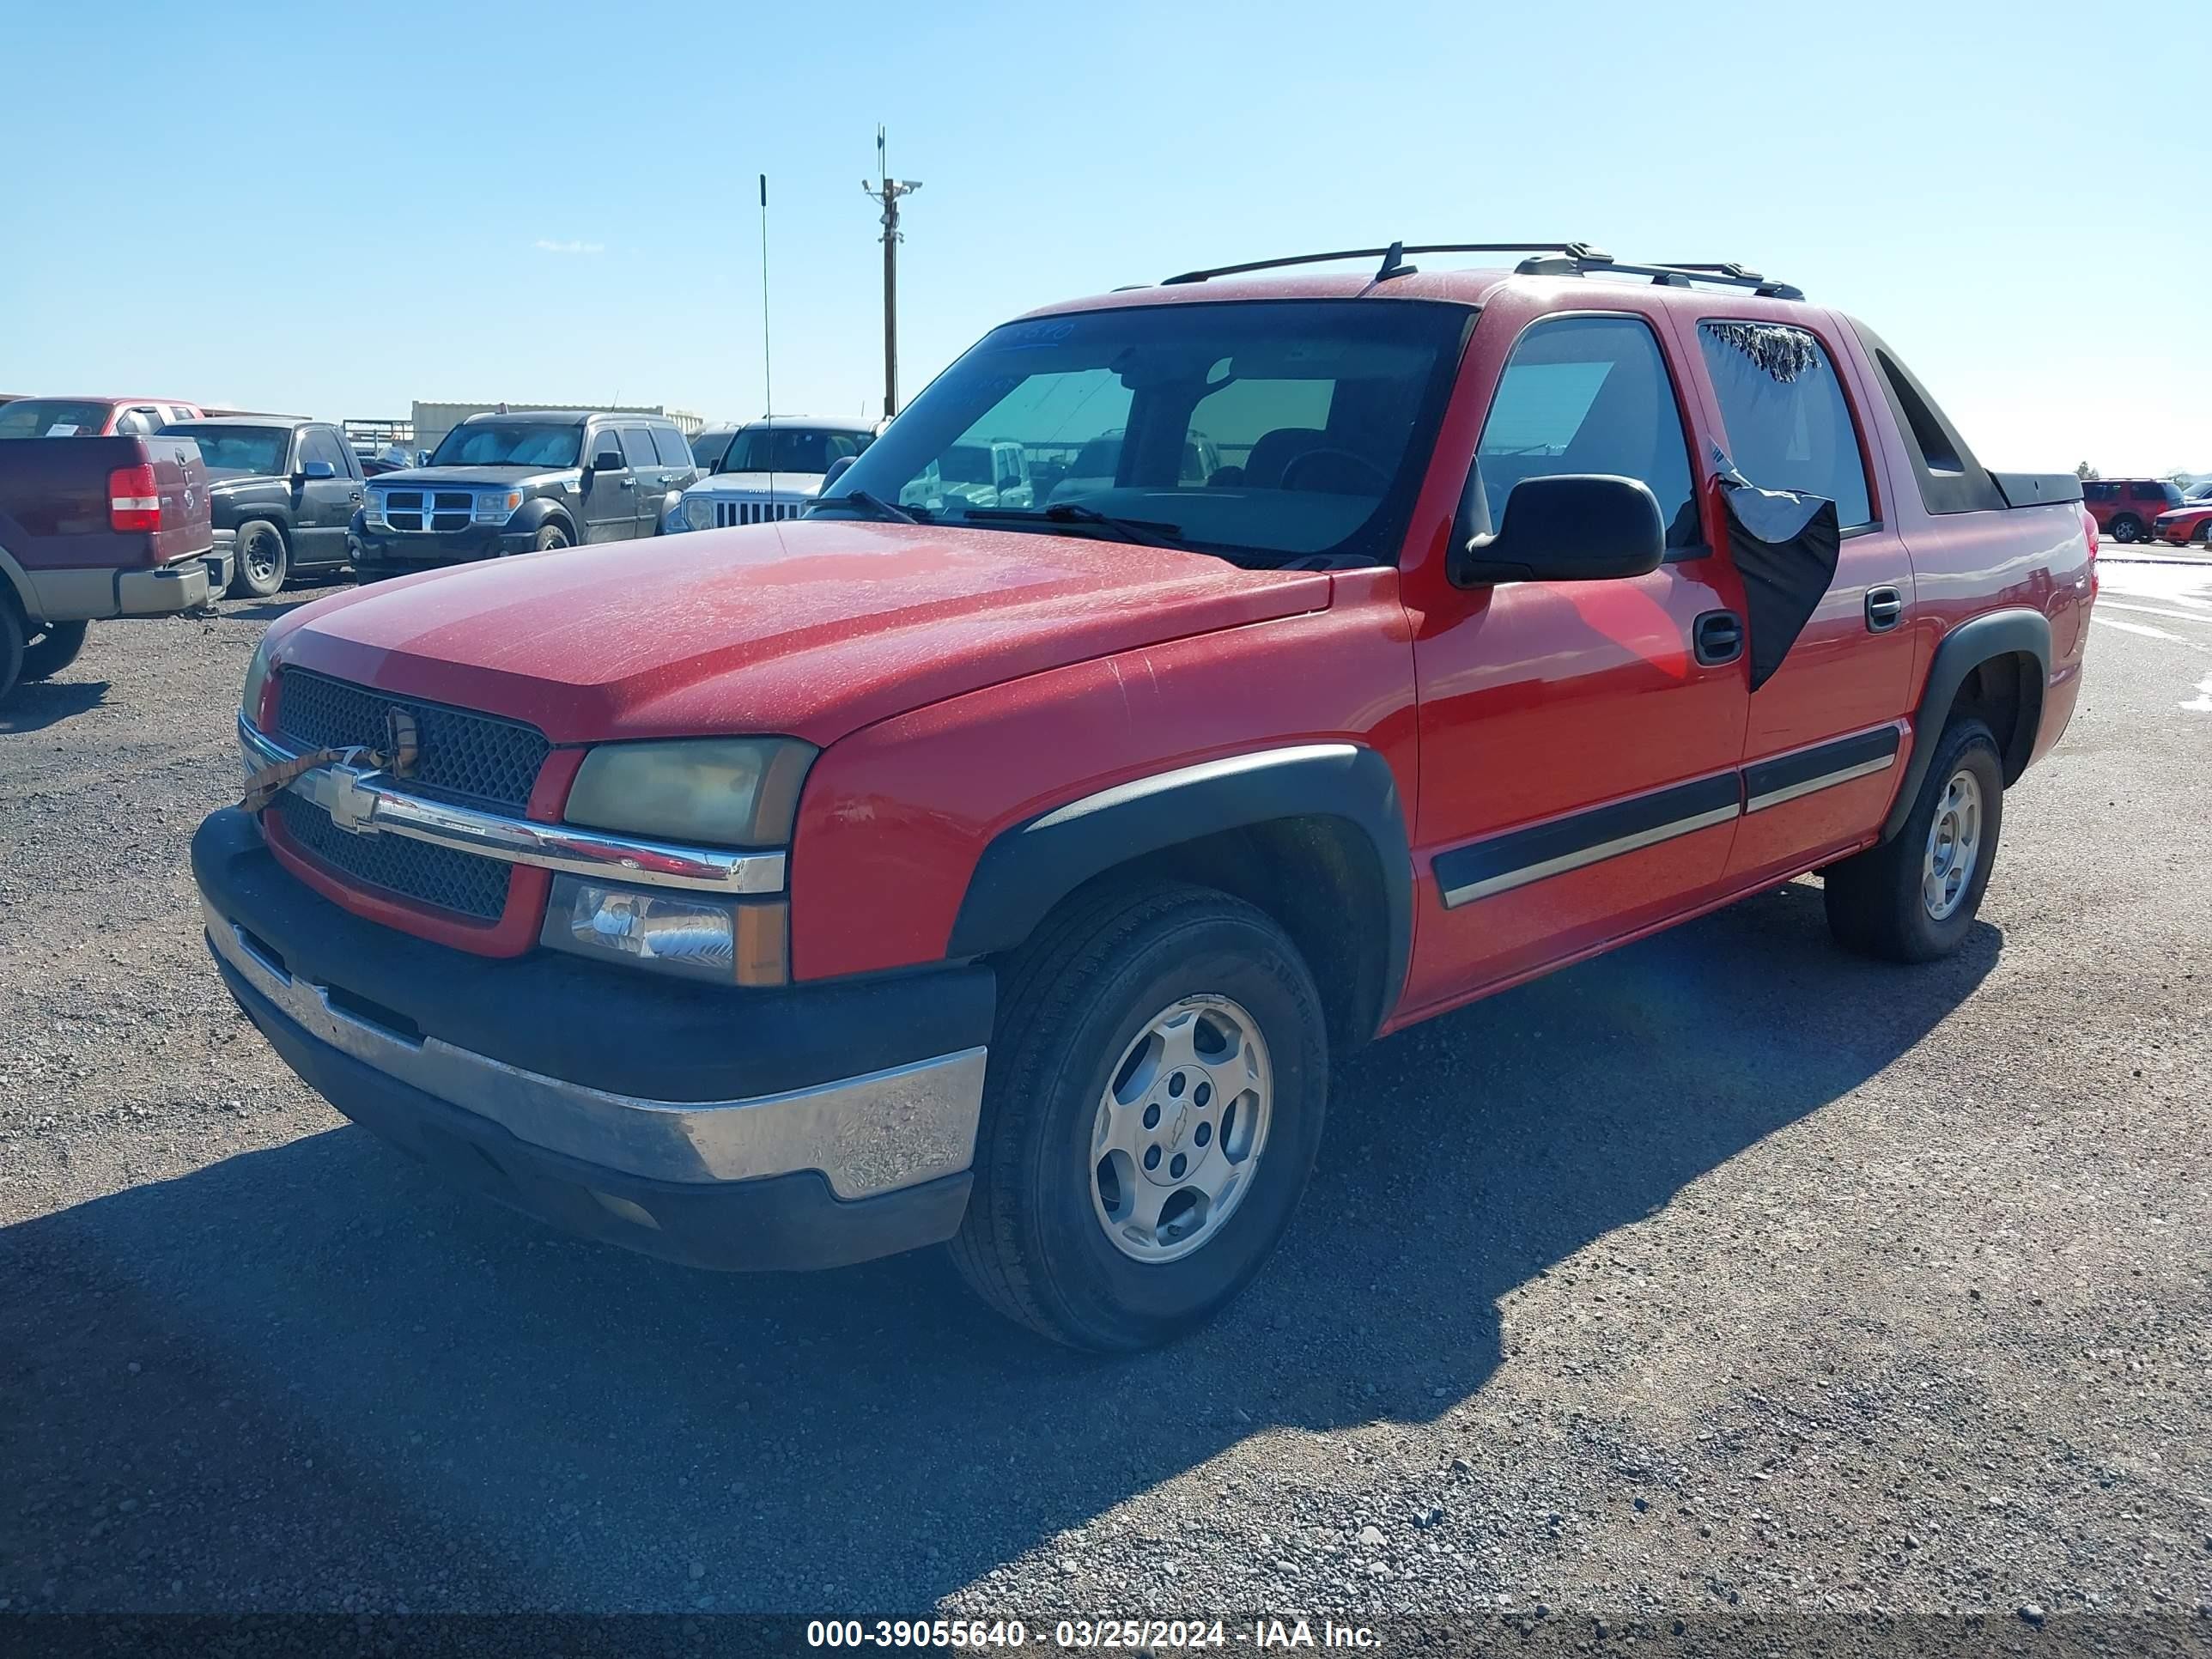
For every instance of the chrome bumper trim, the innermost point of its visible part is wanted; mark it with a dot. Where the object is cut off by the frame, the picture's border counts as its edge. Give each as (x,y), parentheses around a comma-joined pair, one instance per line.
(362,802)
(869,1134)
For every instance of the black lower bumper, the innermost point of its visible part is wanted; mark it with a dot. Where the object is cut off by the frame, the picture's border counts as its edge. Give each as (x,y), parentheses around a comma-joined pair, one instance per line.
(779,1222)
(384,555)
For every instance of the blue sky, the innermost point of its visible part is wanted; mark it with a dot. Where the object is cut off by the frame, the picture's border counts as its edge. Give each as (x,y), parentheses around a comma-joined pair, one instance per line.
(336,209)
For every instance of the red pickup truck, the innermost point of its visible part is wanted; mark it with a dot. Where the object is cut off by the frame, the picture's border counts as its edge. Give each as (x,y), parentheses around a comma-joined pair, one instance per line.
(951,865)
(93,527)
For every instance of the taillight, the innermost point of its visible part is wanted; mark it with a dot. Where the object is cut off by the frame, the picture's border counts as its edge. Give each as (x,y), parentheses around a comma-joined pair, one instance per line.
(2089,523)
(134,499)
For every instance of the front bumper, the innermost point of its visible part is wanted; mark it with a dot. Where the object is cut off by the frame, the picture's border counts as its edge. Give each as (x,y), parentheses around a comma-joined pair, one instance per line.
(391,553)
(804,1128)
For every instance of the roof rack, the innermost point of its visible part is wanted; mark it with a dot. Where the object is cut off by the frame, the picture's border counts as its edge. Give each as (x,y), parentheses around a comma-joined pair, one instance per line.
(1665,274)
(1394,258)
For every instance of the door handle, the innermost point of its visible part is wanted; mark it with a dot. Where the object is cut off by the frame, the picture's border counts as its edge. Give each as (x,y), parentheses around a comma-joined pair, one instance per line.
(1717,637)
(1885,609)
(629,483)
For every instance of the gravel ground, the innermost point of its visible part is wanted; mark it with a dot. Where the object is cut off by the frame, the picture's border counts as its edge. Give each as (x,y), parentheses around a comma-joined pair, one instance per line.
(1726,1272)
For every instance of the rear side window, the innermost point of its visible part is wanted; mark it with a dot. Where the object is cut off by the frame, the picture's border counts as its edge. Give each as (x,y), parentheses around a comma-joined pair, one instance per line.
(2151,492)
(637,445)
(1589,394)
(674,451)
(1789,424)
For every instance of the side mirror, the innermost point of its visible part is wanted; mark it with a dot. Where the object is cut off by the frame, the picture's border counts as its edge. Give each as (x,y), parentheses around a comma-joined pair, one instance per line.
(837,469)
(313,469)
(607,460)
(1568,527)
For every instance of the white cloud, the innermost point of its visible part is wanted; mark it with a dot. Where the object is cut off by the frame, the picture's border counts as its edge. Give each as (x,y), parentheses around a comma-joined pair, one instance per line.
(548,246)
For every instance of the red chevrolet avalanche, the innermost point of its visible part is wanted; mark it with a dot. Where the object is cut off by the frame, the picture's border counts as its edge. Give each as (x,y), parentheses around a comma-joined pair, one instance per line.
(999,855)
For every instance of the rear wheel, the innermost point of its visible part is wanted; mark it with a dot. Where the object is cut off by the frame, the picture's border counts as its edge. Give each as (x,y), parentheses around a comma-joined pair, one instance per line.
(263,560)
(2127,528)
(1914,898)
(54,650)
(1154,1104)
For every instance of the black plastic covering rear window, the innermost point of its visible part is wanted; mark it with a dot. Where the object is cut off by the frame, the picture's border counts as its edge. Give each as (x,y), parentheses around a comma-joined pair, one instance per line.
(1951,480)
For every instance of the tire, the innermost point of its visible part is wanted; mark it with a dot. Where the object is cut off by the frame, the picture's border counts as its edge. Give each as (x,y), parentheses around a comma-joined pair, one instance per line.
(11,644)
(265,559)
(1910,899)
(549,537)
(2126,528)
(1083,1008)
(54,650)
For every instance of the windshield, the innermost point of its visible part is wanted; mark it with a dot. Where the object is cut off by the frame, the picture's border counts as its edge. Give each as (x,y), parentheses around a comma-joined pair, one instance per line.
(504,443)
(241,449)
(2198,492)
(50,417)
(771,448)
(1267,431)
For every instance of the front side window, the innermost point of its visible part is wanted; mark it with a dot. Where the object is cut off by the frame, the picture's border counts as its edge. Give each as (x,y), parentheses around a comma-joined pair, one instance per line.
(1262,431)
(1788,423)
(1589,394)
(318,443)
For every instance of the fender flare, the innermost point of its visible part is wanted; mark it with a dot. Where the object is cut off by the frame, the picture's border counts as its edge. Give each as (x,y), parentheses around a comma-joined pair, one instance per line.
(1031,866)
(535,513)
(1958,654)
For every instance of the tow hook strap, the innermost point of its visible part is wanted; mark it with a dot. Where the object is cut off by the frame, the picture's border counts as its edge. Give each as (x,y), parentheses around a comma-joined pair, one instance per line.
(398,758)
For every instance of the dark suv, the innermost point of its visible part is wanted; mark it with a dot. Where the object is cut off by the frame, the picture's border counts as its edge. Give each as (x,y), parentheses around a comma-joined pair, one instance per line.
(2126,509)
(283,493)
(523,483)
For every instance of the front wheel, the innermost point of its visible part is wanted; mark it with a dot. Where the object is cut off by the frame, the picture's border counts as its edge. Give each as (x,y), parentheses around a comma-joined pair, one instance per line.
(551,537)
(1153,1104)
(1914,898)
(54,650)
(263,560)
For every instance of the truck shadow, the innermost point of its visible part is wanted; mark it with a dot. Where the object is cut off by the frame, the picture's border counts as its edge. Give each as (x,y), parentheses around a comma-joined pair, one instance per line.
(41,703)
(342,1381)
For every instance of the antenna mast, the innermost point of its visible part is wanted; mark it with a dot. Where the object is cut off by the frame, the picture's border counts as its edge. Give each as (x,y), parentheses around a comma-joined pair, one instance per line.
(768,368)
(887,190)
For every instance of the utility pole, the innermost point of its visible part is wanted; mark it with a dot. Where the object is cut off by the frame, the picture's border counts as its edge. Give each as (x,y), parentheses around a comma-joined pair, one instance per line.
(887,190)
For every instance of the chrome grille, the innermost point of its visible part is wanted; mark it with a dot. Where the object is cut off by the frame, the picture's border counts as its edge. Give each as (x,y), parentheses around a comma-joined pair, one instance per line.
(735,513)
(476,759)
(403,509)
(437,876)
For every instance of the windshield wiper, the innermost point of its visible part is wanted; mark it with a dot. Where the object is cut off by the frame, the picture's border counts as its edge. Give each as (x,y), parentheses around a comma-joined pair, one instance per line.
(1151,532)
(875,505)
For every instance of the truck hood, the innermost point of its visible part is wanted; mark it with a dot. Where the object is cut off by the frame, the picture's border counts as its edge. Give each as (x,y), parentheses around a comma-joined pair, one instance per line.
(465,477)
(760,483)
(812,628)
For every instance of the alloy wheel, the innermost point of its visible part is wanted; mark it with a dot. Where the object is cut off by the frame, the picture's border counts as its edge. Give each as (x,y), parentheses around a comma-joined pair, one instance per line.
(1180,1128)
(1954,846)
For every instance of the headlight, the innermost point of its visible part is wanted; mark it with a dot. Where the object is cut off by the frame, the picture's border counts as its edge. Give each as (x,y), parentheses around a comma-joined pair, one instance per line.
(373,511)
(717,791)
(698,511)
(690,934)
(497,506)
(257,677)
